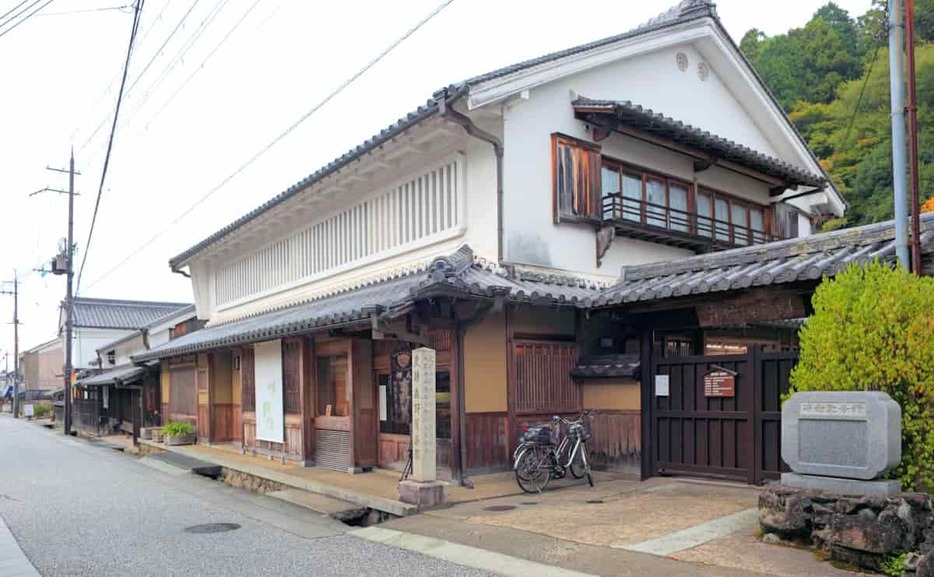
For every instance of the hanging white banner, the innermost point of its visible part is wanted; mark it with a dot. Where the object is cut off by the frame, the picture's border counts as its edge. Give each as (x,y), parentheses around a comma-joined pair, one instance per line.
(268,386)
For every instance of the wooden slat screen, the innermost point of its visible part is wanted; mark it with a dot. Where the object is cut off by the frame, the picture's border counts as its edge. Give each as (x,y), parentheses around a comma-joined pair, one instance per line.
(543,379)
(182,391)
(247,379)
(576,174)
(291,376)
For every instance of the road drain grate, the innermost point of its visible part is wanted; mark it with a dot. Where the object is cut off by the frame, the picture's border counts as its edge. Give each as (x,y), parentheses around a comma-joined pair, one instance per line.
(212,528)
(595,501)
(529,503)
(497,508)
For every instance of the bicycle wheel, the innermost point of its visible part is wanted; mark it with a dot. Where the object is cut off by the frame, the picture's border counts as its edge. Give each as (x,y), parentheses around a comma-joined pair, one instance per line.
(579,466)
(533,470)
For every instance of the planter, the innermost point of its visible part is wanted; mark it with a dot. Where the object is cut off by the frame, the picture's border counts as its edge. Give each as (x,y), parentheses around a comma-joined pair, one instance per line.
(149,433)
(157,435)
(175,440)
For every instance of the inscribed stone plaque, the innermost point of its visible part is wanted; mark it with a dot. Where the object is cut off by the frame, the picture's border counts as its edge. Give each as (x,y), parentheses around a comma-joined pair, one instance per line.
(423,415)
(854,435)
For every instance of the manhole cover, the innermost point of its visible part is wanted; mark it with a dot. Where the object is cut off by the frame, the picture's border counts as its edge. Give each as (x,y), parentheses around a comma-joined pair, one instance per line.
(595,501)
(212,528)
(499,508)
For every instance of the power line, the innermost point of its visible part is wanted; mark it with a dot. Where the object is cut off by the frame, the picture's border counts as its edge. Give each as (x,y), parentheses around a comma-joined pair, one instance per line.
(15,16)
(88,10)
(142,41)
(275,141)
(25,18)
(200,67)
(100,190)
(180,55)
(11,10)
(145,68)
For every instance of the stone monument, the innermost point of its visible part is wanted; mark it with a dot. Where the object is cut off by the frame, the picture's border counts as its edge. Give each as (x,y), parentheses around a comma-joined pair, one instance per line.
(423,488)
(842,442)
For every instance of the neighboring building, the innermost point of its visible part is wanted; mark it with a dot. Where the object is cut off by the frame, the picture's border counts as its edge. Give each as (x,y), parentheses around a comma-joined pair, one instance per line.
(122,395)
(42,366)
(98,322)
(555,230)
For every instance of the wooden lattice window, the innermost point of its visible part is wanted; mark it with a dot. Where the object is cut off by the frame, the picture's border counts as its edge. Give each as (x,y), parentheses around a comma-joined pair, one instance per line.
(291,376)
(576,175)
(183,398)
(247,378)
(543,377)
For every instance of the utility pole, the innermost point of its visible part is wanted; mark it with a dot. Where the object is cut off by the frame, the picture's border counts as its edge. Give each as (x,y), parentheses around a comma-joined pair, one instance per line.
(69,273)
(913,138)
(15,293)
(897,98)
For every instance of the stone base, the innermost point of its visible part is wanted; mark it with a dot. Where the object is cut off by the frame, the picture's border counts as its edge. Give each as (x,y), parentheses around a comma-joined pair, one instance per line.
(838,486)
(424,495)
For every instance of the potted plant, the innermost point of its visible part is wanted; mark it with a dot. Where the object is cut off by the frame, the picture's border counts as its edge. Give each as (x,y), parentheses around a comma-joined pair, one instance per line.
(179,433)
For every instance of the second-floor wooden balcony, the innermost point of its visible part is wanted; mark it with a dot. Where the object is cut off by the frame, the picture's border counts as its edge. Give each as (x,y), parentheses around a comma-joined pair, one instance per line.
(706,226)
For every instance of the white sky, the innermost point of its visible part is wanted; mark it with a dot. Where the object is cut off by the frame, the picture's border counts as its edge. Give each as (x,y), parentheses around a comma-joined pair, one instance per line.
(58,82)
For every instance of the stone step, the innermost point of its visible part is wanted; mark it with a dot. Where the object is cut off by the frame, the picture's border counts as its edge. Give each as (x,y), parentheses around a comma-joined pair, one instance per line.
(334,508)
(175,462)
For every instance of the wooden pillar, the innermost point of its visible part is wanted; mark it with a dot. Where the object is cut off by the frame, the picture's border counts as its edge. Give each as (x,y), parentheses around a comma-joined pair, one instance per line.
(307,392)
(137,409)
(457,407)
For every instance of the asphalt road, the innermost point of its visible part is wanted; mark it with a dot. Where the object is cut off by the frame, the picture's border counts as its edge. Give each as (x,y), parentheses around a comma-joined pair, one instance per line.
(78,509)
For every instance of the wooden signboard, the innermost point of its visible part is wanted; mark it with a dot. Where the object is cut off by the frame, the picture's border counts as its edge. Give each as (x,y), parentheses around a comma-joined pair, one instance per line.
(753,307)
(719,383)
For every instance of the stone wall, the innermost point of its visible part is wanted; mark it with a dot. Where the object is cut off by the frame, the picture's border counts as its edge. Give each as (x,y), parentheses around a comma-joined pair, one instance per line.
(861,531)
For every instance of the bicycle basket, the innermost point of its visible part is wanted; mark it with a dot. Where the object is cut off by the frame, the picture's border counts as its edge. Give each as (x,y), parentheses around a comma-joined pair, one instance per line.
(541,434)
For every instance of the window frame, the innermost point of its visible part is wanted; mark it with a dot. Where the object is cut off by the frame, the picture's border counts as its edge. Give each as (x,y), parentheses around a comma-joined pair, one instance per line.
(646,174)
(731,199)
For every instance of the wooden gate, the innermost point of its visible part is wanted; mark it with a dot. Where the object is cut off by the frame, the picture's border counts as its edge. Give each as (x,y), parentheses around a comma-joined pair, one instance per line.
(718,432)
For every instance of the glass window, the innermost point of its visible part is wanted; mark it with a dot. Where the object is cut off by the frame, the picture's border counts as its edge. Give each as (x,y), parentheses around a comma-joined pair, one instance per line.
(678,205)
(609,184)
(632,197)
(332,386)
(704,215)
(757,224)
(655,202)
(740,226)
(721,219)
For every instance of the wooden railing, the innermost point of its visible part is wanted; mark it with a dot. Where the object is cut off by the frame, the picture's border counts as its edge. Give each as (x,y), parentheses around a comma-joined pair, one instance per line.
(681,225)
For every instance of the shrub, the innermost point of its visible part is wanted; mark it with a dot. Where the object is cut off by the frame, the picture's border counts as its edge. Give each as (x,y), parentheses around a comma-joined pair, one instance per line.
(178,428)
(40,411)
(873,329)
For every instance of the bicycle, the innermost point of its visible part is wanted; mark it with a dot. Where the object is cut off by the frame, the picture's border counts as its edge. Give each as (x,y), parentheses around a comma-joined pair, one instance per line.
(538,458)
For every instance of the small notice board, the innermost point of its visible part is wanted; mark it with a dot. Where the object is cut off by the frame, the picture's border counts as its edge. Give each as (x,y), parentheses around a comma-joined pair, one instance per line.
(720,383)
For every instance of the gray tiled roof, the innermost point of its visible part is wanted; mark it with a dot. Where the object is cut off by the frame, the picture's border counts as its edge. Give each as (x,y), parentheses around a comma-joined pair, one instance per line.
(684,11)
(635,116)
(123,374)
(809,258)
(120,314)
(607,366)
(453,273)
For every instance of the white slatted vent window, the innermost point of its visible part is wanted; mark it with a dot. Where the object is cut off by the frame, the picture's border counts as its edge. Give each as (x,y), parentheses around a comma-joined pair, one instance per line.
(420,208)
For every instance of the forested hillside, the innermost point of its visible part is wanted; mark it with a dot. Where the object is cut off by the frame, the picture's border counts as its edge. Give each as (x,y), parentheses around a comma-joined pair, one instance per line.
(832,77)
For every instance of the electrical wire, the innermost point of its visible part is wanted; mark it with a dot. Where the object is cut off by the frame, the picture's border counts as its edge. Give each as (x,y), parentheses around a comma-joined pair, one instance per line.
(276,140)
(89,10)
(15,16)
(200,66)
(11,10)
(140,43)
(145,68)
(25,18)
(100,190)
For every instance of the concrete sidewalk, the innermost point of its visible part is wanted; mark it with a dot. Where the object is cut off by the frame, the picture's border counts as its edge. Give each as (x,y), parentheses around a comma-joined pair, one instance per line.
(656,527)
(13,562)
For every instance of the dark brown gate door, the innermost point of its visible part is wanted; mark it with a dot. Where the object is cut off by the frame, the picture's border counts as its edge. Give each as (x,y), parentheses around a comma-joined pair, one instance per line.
(697,434)
(713,431)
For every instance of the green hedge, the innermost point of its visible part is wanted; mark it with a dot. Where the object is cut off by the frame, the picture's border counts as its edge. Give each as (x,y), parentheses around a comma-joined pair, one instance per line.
(873,329)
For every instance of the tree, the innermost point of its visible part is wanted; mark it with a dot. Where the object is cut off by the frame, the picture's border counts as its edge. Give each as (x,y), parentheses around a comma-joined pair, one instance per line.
(873,329)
